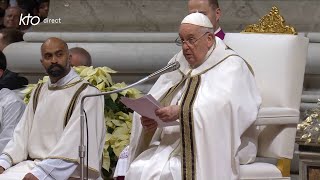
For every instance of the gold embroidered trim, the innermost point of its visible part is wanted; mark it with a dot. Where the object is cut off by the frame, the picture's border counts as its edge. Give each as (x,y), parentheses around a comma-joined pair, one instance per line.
(146,139)
(187,130)
(248,65)
(36,96)
(63,87)
(167,98)
(164,98)
(33,159)
(54,157)
(9,157)
(73,102)
(215,64)
(71,160)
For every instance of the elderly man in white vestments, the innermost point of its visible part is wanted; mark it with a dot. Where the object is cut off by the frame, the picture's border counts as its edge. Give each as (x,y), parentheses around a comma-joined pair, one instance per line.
(214,97)
(46,140)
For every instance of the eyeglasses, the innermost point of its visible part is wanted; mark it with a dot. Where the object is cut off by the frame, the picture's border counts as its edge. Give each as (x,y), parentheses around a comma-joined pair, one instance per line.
(189,42)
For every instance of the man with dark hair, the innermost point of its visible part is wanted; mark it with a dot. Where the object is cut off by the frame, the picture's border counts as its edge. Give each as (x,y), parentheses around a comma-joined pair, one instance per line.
(10,79)
(2,11)
(8,36)
(211,9)
(27,5)
(43,9)
(3,64)
(80,57)
(11,109)
(4,4)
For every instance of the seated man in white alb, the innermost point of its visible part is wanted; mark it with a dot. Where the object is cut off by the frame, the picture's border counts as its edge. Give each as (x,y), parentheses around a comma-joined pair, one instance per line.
(211,9)
(214,97)
(45,143)
(11,108)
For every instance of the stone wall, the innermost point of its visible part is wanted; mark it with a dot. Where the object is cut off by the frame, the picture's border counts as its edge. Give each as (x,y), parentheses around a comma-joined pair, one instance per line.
(165,15)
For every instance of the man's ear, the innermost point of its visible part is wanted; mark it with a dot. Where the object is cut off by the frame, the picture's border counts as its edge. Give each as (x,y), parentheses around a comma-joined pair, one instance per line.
(41,60)
(218,14)
(69,59)
(211,40)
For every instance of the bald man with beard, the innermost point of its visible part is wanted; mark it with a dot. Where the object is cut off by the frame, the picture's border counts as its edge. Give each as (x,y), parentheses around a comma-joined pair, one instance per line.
(46,140)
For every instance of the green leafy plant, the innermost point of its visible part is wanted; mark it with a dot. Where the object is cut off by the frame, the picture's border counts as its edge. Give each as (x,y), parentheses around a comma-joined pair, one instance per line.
(118,118)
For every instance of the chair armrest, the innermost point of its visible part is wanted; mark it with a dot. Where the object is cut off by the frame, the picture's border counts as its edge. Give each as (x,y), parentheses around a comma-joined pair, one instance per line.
(277,116)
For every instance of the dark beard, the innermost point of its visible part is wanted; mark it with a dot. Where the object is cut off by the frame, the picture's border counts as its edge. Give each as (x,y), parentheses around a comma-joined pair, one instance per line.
(57,72)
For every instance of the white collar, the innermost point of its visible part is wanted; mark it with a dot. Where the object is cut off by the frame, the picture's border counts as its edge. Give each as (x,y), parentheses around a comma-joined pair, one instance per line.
(213,56)
(219,29)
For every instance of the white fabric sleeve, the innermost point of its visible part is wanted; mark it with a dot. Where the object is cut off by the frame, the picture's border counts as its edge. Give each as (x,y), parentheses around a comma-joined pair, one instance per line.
(10,118)
(5,161)
(17,146)
(122,164)
(51,169)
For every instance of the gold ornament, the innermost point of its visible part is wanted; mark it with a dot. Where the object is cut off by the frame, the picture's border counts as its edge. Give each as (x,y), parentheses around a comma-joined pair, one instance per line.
(271,23)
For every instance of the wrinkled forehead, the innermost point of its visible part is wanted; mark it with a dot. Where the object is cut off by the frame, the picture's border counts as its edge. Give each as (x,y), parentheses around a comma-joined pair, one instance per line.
(13,11)
(53,47)
(188,29)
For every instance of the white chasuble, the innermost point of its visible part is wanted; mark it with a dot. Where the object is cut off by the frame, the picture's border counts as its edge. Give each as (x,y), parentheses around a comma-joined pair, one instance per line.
(219,100)
(50,133)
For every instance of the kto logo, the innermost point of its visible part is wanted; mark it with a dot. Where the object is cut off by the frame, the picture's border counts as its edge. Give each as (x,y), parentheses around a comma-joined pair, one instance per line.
(35,20)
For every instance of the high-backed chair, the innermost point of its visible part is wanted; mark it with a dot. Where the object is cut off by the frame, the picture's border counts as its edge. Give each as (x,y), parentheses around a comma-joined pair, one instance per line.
(278,61)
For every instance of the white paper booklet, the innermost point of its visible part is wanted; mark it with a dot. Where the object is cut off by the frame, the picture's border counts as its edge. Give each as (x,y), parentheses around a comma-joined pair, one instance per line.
(146,106)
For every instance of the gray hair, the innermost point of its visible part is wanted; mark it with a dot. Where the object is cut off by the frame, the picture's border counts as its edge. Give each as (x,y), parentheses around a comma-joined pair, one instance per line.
(84,53)
(206,29)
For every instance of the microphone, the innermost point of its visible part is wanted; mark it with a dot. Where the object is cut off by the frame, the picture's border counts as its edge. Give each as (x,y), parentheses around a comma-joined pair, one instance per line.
(170,67)
(82,148)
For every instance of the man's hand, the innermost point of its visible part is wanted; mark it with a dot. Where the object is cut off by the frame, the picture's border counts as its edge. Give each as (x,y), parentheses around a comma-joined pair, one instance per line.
(149,125)
(30,176)
(1,169)
(169,113)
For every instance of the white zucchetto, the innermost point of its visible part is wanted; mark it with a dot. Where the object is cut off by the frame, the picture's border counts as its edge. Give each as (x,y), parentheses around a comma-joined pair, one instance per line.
(198,19)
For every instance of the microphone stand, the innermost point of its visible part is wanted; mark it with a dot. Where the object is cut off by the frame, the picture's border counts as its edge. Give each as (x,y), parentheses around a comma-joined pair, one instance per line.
(82,147)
